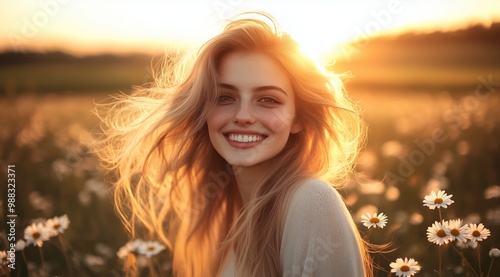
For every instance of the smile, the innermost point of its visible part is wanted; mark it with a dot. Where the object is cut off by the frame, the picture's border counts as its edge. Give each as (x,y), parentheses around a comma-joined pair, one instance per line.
(245,137)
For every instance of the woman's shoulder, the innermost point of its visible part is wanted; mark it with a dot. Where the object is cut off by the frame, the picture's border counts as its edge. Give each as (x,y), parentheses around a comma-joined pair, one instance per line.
(314,192)
(314,185)
(313,201)
(319,235)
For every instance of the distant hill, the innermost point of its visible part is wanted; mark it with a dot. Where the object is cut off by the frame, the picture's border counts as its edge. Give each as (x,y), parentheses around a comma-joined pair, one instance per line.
(29,58)
(437,61)
(64,73)
(434,47)
(432,61)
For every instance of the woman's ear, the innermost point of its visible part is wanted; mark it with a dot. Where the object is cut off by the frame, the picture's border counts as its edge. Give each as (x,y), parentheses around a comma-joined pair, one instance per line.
(296,126)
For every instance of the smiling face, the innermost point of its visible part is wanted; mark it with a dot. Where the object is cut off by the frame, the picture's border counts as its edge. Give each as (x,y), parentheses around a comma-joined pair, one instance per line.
(255,113)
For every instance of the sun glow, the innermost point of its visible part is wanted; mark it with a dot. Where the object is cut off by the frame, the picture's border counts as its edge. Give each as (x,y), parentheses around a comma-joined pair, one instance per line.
(316,48)
(314,32)
(86,27)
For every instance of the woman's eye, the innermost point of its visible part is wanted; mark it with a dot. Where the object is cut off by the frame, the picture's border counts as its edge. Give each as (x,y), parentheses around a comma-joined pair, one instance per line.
(269,100)
(225,98)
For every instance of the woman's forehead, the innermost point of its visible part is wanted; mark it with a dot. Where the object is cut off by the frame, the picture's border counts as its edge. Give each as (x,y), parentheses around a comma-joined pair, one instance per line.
(250,69)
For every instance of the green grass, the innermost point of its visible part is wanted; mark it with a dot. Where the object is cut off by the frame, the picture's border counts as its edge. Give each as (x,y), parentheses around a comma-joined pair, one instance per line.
(72,77)
(114,77)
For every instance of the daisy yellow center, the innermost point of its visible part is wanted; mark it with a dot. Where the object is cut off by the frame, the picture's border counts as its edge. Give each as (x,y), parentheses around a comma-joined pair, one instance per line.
(441,233)
(438,201)
(35,235)
(405,268)
(57,225)
(455,232)
(151,248)
(374,220)
(476,233)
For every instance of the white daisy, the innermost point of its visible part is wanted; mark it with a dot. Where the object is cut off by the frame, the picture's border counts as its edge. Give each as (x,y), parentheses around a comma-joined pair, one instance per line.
(478,232)
(437,233)
(150,248)
(3,258)
(494,253)
(123,252)
(57,225)
(36,234)
(441,199)
(457,231)
(132,247)
(374,221)
(406,267)
(20,245)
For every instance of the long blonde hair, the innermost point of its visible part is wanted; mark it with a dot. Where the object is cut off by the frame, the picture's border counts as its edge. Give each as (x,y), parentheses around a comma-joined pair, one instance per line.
(171,183)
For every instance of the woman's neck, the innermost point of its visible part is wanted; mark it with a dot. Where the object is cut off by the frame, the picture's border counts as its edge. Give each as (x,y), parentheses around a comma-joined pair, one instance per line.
(247,179)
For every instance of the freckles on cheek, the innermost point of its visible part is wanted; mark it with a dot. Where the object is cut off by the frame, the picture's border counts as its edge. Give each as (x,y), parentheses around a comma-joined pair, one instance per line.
(277,123)
(215,119)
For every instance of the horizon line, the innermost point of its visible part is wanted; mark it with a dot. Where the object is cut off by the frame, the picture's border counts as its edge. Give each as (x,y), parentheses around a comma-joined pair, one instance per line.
(186,45)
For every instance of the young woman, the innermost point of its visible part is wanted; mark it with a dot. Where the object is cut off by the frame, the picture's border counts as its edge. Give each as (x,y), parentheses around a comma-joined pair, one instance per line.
(229,160)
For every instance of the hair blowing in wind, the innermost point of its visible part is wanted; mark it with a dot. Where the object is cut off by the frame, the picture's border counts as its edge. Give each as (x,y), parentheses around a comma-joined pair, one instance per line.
(171,184)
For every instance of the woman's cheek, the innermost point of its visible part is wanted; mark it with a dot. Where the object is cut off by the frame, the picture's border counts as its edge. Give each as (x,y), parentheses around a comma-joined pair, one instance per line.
(278,120)
(217,117)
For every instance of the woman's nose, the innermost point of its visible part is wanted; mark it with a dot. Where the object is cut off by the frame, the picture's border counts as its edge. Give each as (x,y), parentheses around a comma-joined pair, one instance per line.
(244,114)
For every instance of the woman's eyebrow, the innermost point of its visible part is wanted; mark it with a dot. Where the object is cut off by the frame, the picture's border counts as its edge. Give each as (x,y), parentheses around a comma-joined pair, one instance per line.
(262,88)
(270,88)
(227,86)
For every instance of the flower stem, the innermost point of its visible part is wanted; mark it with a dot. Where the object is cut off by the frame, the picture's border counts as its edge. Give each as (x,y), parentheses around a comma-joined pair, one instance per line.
(440,254)
(65,253)
(489,269)
(382,269)
(465,260)
(42,268)
(26,262)
(440,216)
(368,234)
(479,260)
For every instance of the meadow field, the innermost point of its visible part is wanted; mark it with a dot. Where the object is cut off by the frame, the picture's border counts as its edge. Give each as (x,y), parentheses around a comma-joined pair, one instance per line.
(42,136)
(433,116)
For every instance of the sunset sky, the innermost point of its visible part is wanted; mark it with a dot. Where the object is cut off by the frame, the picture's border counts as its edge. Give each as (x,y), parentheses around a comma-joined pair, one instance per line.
(119,26)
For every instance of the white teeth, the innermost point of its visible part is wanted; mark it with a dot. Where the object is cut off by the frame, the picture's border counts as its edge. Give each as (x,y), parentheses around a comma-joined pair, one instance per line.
(245,138)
